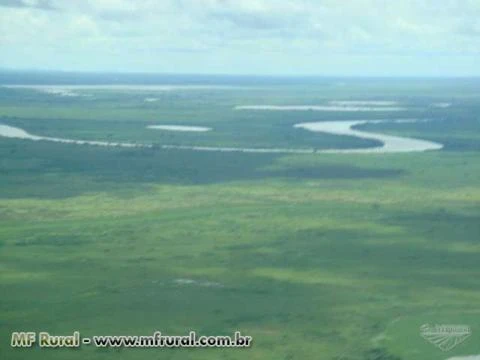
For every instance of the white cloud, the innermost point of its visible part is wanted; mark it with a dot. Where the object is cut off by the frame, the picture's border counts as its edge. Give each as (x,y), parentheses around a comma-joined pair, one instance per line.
(245,36)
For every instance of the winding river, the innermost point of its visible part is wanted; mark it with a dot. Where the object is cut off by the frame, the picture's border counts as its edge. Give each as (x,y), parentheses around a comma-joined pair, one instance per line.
(390,144)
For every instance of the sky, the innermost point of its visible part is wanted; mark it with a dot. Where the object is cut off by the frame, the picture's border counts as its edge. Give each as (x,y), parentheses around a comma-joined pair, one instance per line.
(262,37)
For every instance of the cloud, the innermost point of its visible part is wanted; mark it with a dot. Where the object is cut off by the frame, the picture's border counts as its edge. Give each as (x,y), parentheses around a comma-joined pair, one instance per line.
(242,36)
(34,4)
(257,15)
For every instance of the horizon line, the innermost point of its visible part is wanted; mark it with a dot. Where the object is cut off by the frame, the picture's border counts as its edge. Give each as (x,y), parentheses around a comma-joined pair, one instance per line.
(244,75)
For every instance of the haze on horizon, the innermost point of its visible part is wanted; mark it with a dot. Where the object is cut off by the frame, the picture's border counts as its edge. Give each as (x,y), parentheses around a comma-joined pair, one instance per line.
(264,37)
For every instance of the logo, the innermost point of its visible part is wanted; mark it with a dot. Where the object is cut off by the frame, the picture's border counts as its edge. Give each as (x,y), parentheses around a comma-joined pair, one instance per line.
(445,337)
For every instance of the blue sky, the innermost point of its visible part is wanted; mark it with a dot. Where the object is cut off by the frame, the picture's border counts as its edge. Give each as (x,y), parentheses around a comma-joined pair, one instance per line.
(285,37)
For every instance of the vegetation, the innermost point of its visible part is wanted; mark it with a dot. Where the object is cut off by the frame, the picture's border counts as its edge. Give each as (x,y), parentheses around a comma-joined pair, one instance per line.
(315,256)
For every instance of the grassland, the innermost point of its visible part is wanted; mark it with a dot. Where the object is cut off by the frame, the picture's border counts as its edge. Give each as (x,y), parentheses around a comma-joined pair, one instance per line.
(315,256)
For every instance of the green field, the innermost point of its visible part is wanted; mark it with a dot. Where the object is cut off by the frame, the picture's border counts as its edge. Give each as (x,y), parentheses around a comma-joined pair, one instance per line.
(335,257)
